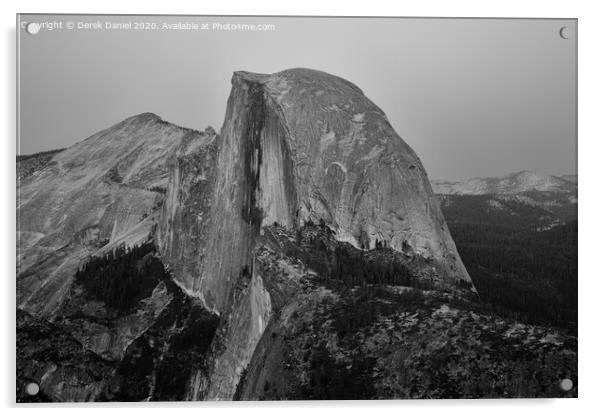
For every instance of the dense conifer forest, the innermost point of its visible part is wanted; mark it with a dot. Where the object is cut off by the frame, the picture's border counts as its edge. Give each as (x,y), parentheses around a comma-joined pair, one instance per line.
(519,271)
(122,277)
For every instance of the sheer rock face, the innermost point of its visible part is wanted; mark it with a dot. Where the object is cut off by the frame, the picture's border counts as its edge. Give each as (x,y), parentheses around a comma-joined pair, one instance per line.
(182,233)
(254,186)
(304,145)
(99,193)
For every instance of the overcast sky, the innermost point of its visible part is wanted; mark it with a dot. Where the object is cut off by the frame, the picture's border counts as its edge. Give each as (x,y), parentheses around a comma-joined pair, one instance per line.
(472,97)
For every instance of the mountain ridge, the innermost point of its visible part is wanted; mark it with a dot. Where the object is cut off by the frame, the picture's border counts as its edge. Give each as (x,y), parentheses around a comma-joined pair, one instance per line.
(103,188)
(512,183)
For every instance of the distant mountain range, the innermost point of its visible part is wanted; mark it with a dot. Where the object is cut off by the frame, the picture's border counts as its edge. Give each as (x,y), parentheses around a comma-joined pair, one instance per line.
(513,183)
(570,178)
(517,236)
(524,200)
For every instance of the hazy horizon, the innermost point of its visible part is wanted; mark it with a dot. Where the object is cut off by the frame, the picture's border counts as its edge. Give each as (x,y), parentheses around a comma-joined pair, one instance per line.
(472,97)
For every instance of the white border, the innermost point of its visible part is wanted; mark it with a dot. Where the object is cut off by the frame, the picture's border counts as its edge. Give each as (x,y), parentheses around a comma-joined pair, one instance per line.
(590,153)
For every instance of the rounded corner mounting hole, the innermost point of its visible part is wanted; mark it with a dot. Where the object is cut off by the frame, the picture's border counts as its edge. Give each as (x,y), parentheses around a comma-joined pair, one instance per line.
(565,32)
(32,389)
(566,384)
(33,28)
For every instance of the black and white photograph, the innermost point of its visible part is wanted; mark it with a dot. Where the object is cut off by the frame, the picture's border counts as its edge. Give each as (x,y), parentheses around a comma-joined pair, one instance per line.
(265,208)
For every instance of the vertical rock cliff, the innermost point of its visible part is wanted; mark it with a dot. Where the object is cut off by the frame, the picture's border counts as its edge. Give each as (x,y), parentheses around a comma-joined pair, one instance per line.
(254,186)
(302,145)
(183,229)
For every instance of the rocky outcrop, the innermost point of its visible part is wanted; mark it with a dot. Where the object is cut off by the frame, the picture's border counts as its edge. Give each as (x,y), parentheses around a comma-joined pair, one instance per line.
(235,344)
(302,145)
(97,350)
(102,192)
(183,229)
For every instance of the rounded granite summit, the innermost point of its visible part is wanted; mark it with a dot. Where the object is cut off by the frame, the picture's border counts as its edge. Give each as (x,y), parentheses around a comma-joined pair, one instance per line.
(303,145)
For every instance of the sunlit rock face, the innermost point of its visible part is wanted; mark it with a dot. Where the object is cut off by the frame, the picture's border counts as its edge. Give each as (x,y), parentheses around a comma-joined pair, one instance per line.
(102,192)
(304,145)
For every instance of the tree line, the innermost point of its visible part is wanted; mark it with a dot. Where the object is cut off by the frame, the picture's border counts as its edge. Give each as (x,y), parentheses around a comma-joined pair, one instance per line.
(123,276)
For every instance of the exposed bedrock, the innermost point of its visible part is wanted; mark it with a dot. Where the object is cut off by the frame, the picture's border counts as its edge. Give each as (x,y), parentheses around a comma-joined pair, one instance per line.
(100,193)
(304,145)
(254,186)
(182,233)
